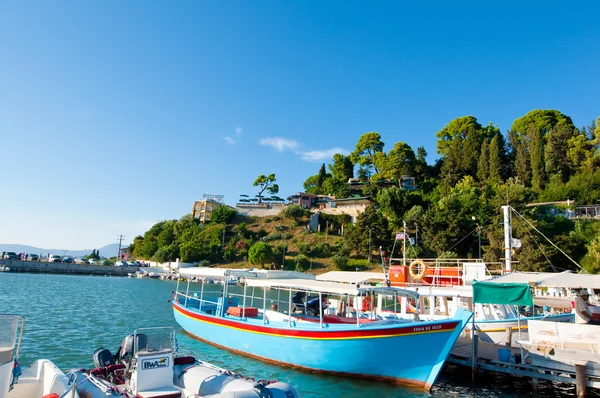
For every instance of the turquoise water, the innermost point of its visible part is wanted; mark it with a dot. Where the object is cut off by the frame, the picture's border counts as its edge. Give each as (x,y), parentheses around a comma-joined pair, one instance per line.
(68,317)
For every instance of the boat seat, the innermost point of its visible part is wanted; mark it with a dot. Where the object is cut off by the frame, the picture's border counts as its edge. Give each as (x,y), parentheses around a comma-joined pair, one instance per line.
(165,392)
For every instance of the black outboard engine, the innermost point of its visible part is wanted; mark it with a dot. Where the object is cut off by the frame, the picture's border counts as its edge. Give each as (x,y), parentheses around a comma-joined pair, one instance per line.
(103,358)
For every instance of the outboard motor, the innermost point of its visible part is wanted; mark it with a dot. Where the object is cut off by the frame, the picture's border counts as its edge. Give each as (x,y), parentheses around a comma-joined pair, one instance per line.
(103,358)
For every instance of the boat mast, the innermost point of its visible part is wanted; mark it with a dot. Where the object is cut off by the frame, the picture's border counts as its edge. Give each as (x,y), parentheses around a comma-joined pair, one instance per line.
(507,240)
(404,244)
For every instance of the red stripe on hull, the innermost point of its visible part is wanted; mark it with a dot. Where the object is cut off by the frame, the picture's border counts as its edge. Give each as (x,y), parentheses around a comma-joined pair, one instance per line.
(321,334)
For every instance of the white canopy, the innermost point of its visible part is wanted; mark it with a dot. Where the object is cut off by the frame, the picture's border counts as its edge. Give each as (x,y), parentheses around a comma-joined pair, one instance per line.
(565,279)
(327,287)
(211,272)
(242,273)
(350,277)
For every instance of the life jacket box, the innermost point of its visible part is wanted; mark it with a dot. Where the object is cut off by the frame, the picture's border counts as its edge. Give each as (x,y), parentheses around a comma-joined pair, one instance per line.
(237,311)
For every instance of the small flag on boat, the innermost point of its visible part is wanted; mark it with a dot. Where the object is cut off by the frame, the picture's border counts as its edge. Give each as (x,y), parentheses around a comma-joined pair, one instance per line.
(400,236)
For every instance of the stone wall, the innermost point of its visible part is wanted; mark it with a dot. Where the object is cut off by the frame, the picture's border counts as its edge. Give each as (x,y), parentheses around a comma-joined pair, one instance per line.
(63,268)
(266,210)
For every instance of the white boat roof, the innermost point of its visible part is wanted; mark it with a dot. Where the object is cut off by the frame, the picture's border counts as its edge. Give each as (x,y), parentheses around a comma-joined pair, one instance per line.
(565,279)
(214,272)
(242,273)
(327,287)
(350,276)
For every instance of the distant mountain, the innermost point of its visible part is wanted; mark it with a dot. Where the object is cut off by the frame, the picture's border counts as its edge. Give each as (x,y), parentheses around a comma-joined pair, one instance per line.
(105,251)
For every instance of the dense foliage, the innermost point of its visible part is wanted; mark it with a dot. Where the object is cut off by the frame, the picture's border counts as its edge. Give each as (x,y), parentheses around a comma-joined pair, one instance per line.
(455,210)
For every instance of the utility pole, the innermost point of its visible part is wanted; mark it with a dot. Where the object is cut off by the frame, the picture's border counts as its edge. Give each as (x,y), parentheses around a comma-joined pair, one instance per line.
(370,245)
(479,233)
(416,234)
(224,237)
(404,243)
(120,237)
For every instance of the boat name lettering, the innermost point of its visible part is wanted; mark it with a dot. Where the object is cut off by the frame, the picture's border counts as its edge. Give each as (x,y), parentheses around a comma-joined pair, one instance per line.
(427,328)
(155,363)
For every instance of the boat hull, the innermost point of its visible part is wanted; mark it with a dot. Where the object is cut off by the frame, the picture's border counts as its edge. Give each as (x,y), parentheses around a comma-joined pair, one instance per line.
(410,354)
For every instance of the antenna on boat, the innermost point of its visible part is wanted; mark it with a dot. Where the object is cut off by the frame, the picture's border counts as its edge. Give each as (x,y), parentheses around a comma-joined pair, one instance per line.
(507,240)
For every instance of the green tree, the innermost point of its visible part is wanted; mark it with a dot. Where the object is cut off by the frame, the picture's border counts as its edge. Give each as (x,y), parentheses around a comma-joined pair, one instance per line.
(421,168)
(483,167)
(498,158)
(295,212)
(521,168)
(266,183)
(393,203)
(302,262)
(398,162)
(556,152)
(222,215)
(260,253)
(322,176)
(369,144)
(541,120)
(451,218)
(167,253)
(358,234)
(538,170)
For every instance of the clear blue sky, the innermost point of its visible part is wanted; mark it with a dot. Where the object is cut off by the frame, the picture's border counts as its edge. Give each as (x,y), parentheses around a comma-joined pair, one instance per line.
(117,114)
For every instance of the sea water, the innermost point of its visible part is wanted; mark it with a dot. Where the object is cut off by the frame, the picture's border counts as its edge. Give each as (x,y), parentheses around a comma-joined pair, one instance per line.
(68,317)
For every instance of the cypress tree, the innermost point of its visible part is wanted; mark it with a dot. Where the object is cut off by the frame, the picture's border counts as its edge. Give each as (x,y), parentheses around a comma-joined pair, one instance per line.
(483,167)
(538,171)
(497,158)
(522,170)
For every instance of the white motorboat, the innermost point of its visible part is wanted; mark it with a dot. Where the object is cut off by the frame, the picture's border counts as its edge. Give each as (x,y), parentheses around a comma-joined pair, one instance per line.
(41,379)
(147,366)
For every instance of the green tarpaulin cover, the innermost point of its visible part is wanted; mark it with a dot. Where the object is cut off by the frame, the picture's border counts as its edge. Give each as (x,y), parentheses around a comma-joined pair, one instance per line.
(502,293)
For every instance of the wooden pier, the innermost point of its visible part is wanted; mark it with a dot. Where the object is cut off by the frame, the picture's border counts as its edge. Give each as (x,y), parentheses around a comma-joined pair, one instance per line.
(533,365)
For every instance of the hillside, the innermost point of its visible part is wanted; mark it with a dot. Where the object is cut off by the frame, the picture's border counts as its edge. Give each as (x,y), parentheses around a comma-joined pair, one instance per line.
(279,231)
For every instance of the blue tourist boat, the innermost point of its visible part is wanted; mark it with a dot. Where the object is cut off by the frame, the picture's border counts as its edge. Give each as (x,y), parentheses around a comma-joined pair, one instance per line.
(297,331)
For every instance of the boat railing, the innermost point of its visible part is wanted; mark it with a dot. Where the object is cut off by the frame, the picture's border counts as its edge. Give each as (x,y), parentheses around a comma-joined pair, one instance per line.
(441,266)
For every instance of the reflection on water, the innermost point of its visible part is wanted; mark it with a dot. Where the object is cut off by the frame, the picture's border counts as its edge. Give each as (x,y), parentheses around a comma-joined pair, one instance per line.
(68,317)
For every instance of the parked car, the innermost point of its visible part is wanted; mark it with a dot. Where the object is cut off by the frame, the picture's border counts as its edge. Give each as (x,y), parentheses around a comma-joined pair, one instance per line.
(93,261)
(11,256)
(121,263)
(79,260)
(68,260)
(135,264)
(33,257)
(55,259)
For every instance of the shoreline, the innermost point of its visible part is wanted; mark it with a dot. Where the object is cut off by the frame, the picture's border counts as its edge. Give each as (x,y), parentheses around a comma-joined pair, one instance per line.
(66,268)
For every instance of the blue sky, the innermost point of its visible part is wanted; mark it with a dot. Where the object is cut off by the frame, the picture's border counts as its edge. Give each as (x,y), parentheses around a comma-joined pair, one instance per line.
(117,114)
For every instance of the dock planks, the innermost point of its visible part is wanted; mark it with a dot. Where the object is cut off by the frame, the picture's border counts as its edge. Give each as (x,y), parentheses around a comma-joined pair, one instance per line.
(535,366)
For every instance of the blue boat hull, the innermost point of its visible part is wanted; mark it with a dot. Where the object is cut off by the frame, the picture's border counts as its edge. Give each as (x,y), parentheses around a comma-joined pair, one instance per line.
(410,353)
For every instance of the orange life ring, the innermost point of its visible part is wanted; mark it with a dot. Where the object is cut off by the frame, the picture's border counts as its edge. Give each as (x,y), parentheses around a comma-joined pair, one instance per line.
(366,304)
(414,265)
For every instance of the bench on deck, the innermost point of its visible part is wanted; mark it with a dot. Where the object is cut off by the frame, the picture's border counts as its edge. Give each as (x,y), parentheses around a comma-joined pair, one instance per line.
(248,312)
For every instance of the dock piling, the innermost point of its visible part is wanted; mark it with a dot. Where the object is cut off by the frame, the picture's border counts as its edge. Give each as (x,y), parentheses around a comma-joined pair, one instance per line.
(580,380)
(508,341)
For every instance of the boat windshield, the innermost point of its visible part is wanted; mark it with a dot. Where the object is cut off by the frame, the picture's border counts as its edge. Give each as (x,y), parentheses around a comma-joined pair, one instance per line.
(153,339)
(9,325)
